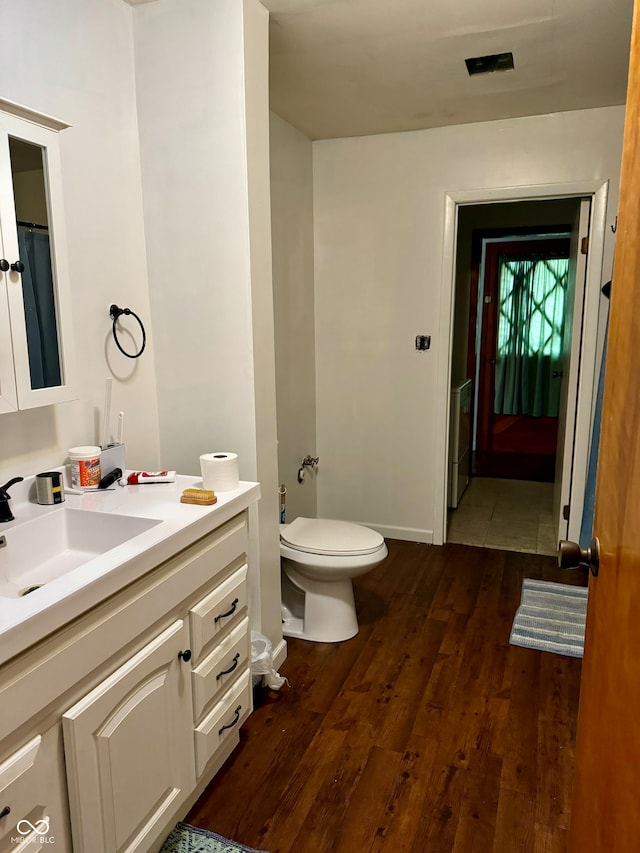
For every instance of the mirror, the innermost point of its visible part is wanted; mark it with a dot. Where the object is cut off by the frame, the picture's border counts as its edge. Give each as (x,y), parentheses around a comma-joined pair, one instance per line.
(38,283)
(36,328)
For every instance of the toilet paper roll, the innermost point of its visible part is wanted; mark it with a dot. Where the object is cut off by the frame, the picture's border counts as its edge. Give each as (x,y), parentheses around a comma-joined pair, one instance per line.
(220,471)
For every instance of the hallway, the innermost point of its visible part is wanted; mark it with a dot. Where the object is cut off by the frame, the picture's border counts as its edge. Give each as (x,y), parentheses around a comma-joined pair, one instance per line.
(512,515)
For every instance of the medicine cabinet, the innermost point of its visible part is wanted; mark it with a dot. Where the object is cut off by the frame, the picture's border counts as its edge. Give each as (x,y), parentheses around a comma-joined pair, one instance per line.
(35,316)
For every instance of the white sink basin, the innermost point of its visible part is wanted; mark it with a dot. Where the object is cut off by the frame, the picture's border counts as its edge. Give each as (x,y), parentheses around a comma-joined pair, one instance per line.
(47,548)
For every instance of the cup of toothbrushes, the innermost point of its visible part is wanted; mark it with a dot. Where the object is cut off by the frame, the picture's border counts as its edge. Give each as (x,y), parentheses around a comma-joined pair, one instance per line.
(85,466)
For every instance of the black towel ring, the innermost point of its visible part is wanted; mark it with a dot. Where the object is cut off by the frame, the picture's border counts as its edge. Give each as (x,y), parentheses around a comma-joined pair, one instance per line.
(116,312)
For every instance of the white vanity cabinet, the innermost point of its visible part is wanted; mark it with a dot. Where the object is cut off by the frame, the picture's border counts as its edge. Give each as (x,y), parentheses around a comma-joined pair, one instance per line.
(149,690)
(36,347)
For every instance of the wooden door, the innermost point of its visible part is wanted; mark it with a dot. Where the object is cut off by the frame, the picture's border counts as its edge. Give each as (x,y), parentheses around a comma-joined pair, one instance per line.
(605,813)
(517,446)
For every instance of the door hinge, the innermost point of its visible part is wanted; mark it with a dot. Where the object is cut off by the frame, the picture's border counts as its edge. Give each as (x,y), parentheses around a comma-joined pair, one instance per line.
(565,512)
(584,246)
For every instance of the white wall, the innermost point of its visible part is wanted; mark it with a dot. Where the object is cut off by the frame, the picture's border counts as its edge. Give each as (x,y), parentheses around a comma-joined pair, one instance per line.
(202,72)
(256,81)
(193,144)
(379,225)
(74,59)
(293,293)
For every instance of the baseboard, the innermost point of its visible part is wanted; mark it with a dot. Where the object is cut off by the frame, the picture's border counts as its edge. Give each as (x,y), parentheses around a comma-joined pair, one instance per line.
(406,534)
(279,654)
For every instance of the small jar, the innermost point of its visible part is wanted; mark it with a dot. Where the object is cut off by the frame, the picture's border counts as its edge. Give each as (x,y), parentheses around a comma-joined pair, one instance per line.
(85,466)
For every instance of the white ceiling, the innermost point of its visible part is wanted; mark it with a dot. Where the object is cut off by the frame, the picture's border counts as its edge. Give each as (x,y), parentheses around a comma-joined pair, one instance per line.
(357,67)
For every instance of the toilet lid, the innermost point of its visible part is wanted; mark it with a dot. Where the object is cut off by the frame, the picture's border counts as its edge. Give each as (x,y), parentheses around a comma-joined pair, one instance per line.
(323,536)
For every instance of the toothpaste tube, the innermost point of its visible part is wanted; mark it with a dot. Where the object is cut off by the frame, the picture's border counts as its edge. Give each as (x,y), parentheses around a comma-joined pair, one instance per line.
(139,477)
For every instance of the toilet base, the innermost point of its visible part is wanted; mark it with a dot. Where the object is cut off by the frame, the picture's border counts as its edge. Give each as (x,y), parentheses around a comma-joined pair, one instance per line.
(319,611)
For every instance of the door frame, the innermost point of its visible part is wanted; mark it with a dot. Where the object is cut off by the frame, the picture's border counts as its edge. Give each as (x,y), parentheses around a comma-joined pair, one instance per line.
(597,191)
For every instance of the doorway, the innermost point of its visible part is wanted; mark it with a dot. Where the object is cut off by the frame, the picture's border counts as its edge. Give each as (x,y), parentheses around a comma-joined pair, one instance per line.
(516,331)
(521,202)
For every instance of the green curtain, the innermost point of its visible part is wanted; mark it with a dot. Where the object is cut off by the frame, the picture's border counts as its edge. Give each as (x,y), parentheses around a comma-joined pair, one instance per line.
(532,293)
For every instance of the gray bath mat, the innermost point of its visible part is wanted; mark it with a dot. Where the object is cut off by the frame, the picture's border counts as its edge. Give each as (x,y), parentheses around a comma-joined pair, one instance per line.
(191,839)
(551,617)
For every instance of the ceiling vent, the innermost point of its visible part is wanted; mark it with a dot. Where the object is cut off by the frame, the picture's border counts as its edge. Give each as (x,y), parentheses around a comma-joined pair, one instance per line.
(488,64)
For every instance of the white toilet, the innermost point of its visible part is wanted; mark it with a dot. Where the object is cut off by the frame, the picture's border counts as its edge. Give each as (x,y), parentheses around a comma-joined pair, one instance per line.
(319,558)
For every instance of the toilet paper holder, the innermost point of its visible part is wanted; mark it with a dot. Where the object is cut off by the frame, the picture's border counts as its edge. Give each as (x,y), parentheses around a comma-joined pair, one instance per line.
(308,462)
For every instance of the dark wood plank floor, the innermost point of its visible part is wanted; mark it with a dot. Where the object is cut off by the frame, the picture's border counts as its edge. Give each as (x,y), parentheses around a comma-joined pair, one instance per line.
(427,732)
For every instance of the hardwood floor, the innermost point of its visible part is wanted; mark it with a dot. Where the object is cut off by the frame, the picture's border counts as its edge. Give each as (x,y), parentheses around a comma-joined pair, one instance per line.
(427,732)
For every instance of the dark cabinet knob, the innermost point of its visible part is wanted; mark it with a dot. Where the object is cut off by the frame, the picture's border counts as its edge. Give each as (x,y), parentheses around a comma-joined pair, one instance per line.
(18,266)
(571,555)
(185,656)
(5,811)
(4,264)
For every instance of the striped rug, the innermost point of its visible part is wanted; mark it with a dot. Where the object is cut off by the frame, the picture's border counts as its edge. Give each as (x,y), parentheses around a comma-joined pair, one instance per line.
(551,617)
(192,839)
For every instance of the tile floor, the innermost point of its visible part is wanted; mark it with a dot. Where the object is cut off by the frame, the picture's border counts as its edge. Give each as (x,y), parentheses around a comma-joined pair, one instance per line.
(511,515)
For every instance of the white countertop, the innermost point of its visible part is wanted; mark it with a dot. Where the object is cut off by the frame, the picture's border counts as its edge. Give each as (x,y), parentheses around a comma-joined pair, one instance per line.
(26,620)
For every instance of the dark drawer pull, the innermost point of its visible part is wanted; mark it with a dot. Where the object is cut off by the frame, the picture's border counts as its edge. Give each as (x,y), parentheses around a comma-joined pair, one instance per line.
(234,723)
(234,604)
(231,668)
(5,811)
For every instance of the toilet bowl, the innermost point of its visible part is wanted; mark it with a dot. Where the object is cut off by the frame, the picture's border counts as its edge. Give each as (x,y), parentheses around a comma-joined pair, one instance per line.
(319,559)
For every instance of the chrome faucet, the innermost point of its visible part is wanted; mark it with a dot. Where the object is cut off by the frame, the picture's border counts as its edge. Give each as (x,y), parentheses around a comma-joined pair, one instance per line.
(5,497)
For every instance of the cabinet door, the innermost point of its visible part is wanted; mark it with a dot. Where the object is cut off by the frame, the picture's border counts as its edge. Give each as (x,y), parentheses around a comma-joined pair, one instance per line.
(33,804)
(35,277)
(8,393)
(129,749)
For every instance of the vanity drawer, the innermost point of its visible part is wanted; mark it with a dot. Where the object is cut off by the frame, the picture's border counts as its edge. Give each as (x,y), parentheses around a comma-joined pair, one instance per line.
(221,666)
(223,721)
(216,611)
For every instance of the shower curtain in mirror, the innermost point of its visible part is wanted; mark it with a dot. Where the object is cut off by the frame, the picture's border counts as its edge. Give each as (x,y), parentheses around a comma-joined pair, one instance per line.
(39,308)
(531,312)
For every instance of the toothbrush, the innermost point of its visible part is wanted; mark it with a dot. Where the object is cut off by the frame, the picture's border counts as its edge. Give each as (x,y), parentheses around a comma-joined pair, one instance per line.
(106,413)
